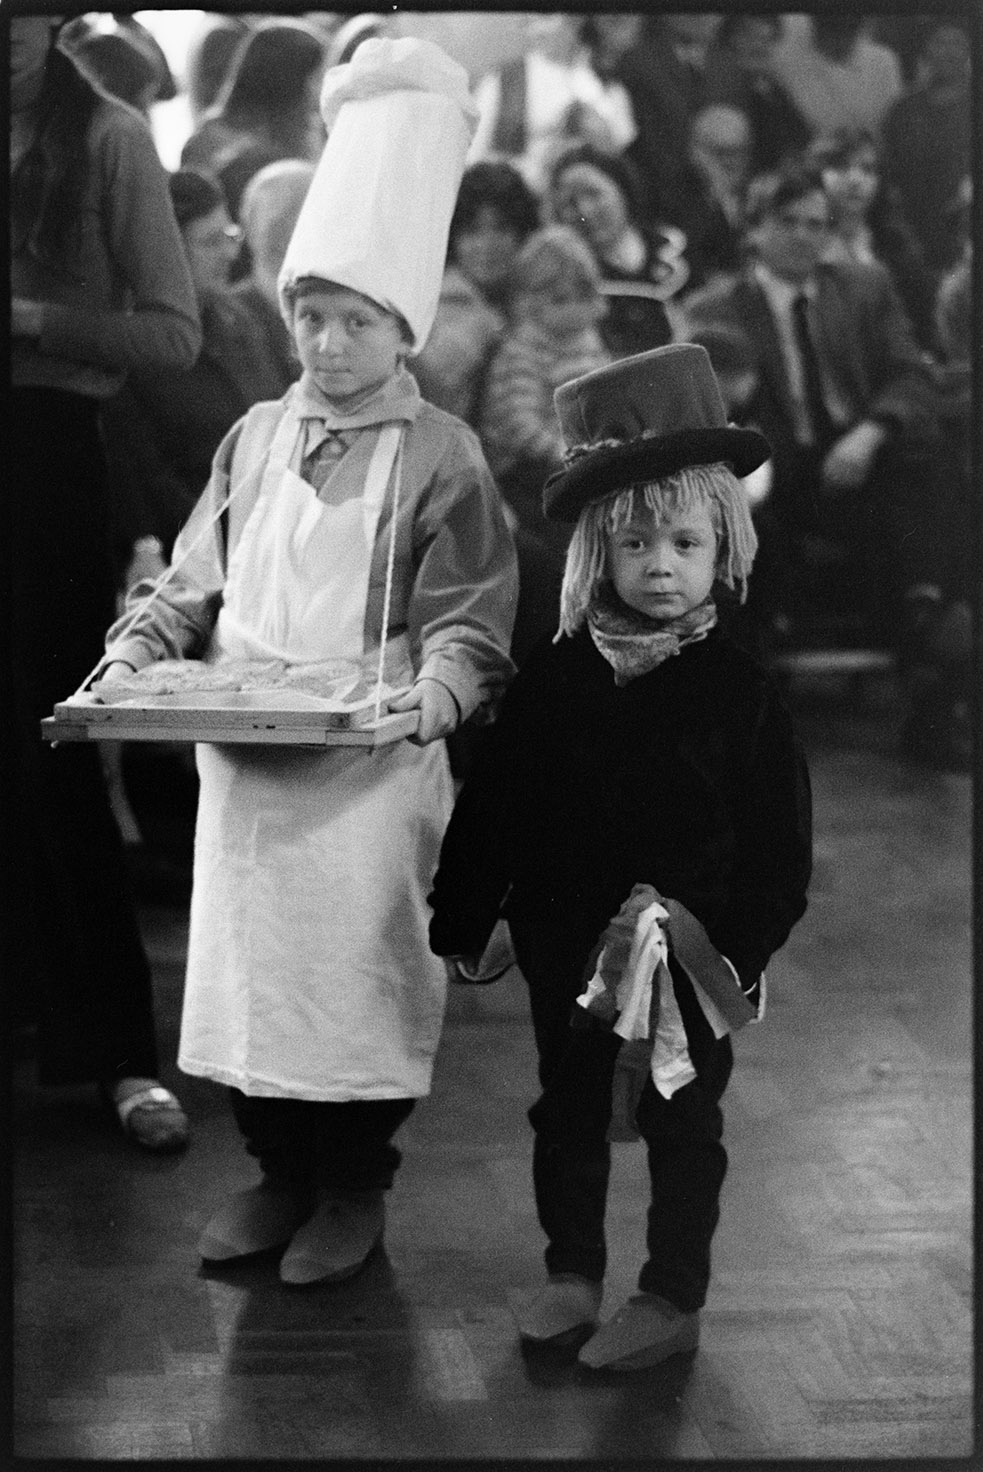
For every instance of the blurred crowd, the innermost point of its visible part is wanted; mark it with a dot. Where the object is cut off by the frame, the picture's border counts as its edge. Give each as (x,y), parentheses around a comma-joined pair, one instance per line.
(707,171)
(794,192)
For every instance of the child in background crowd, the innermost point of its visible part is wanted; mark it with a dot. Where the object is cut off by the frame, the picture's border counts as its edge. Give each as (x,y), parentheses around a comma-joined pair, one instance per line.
(310,990)
(642,794)
(552,337)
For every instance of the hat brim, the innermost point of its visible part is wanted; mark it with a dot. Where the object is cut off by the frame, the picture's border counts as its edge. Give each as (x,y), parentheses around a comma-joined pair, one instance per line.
(597,473)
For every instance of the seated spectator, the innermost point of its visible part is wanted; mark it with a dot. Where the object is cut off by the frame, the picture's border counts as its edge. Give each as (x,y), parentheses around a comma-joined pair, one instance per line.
(926,141)
(267,108)
(846,402)
(165,425)
(271,202)
(642,267)
(550,338)
(739,74)
(495,213)
(660,62)
(867,224)
(708,203)
(552,95)
(835,75)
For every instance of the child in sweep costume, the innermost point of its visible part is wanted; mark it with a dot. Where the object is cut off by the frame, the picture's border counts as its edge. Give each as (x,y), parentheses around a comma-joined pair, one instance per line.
(642,819)
(311,991)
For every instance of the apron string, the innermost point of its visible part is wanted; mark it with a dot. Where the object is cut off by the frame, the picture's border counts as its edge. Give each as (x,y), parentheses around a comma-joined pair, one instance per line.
(162,579)
(390,564)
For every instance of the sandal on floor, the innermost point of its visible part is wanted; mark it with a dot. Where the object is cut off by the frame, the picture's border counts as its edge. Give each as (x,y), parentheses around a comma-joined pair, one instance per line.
(148,1113)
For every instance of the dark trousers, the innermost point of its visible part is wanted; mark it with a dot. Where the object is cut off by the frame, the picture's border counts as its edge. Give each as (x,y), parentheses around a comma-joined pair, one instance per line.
(74,960)
(341,1146)
(571,1156)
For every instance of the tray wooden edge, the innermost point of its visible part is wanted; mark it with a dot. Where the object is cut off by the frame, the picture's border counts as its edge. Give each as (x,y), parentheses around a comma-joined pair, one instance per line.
(275,729)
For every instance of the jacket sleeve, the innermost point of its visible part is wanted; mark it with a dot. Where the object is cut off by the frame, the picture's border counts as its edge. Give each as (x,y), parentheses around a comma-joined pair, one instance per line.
(465,589)
(178,623)
(475,870)
(157,322)
(902,393)
(773,863)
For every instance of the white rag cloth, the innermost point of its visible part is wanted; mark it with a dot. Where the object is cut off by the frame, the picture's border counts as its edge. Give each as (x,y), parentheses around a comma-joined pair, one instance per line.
(648,965)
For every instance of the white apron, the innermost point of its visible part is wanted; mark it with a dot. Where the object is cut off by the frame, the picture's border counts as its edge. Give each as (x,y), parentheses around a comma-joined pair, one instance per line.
(309,974)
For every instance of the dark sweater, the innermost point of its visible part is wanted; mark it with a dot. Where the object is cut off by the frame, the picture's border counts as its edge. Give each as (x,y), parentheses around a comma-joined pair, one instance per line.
(689,778)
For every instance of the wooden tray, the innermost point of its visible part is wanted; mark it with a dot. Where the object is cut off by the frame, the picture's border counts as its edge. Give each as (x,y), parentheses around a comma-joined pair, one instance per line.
(84,719)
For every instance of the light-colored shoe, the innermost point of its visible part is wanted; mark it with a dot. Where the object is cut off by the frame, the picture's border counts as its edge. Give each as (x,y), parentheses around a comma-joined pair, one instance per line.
(565,1308)
(255,1220)
(336,1240)
(645,1331)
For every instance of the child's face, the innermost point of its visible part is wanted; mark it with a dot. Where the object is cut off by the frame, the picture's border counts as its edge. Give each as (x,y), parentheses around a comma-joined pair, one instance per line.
(486,248)
(347,343)
(562,308)
(663,568)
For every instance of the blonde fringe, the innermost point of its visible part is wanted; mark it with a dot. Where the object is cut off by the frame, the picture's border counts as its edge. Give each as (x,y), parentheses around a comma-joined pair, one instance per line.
(717,485)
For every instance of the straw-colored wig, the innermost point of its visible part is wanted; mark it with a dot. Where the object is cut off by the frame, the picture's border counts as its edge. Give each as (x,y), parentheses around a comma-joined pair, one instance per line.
(712,485)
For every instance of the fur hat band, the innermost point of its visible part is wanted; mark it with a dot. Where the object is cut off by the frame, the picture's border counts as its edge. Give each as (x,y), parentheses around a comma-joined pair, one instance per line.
(641,419)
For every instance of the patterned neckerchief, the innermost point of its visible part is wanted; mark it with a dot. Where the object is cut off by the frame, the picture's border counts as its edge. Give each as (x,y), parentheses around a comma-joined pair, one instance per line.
(634,644)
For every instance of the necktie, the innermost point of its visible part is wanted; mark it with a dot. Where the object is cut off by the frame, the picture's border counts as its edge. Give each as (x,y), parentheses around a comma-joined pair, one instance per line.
(815,400)
(319,464)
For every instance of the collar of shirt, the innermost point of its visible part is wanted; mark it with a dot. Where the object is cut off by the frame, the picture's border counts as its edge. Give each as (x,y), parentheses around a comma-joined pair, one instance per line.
(781,293)
(397,399)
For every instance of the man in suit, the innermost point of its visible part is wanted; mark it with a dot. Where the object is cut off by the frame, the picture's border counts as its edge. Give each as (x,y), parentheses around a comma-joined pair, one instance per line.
(855,518)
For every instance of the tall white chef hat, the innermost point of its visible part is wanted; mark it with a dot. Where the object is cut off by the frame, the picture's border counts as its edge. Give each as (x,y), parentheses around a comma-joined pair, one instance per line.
(399,118)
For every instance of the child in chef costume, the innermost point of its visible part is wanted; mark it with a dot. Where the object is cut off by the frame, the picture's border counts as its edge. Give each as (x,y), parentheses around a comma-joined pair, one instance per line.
(641,816)
(311,991)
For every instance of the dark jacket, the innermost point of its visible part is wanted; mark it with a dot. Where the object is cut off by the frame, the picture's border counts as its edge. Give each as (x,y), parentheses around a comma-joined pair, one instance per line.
(164,427)
(863,335)
(689,778)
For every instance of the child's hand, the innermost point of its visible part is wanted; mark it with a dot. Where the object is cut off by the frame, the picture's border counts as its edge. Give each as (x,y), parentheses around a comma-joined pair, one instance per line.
(849,462)
(437,707)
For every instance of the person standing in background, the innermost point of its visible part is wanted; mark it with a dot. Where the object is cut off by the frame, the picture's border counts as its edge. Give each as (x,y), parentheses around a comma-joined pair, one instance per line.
(740,73)
(165,424)
(659,60)
(927,142)
(99,285)
(835,75)
(266,109)
(539,102)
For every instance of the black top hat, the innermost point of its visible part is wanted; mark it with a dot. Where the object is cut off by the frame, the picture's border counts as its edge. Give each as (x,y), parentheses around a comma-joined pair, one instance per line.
(641,419)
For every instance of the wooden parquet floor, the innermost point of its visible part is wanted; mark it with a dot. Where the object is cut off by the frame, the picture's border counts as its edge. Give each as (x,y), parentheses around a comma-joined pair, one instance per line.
(840,1316)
